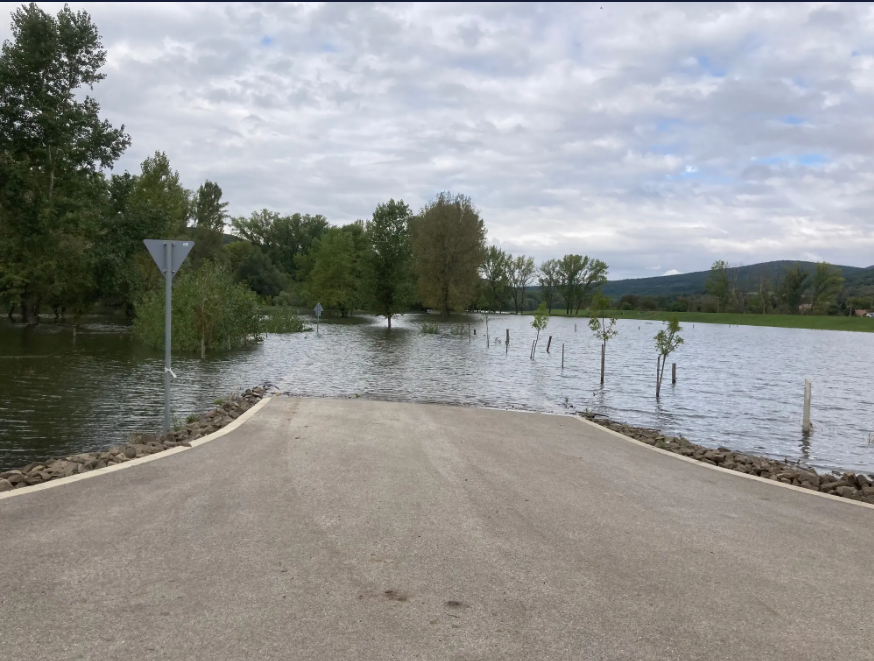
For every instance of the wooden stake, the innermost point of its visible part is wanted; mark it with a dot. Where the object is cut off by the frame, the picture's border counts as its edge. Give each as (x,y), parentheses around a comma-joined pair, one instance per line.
(673,373)
(562,355)
(805,424)
(533,344)
(548,343)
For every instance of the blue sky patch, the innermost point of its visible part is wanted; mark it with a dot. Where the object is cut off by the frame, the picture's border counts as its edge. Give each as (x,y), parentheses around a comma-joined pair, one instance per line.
(266,41)
(328,48)
(712,70)
(792,119)
(812,159)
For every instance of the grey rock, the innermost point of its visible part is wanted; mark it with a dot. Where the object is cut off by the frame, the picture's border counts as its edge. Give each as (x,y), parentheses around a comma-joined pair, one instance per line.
(130,452)
(6,485)
(846,492)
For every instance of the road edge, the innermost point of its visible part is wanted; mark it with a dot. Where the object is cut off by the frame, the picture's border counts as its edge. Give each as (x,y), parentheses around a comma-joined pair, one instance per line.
(141,460)
(690,460)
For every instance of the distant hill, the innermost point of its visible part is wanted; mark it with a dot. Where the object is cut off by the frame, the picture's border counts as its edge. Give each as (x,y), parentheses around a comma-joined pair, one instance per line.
(685,284)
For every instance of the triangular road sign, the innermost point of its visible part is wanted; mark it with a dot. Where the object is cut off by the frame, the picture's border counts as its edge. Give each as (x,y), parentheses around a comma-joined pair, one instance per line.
(178,252)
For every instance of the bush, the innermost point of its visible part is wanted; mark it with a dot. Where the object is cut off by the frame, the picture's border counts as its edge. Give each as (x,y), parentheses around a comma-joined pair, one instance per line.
(209,311)
(283,320)
(429,328)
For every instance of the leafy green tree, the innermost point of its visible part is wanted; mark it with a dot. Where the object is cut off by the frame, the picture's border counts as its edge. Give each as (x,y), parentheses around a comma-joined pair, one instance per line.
(157,189)
(667,340)
(291,237)
(259,273)
(210,311)
(520,273)
(257,229)
(718,284)
(209,214)
(570,268)
(793,286)
(494,273)
(826,283)
(548,277)
(389,259)
(540,322)
(335,280)
(52,147)
(123,266)
(579,275)
(448,251)
(601,325)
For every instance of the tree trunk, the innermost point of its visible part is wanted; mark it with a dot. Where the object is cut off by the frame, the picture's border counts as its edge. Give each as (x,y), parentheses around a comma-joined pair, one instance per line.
(389,321)
(202,347)
(11,311)
(29,309)
(603,354)
(660,376)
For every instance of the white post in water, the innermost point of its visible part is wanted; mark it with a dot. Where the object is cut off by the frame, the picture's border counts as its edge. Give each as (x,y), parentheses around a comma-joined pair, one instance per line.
(805,424)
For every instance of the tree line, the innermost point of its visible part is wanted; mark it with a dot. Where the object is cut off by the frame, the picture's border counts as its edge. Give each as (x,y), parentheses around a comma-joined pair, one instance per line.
(71,231)
(795,291)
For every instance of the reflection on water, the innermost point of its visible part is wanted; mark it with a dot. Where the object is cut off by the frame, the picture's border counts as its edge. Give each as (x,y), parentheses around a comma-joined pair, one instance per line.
(737,386)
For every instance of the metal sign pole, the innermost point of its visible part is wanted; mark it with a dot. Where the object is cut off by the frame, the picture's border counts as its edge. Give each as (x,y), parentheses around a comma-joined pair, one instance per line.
(168,255)
(168,299)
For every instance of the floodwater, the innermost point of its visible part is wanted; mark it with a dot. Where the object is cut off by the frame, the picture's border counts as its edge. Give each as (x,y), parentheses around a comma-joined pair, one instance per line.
(738,386)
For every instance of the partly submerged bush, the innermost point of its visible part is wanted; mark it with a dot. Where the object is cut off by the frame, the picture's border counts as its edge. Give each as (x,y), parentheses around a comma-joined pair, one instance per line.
(210,311)
(429,328)
(283,320)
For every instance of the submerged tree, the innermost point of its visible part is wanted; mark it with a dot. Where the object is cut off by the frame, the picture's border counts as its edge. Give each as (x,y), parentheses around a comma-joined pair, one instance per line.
(541,320)
(494,274)
(389,259)
(53,145)
(601,325)
(520,273)
(667,340)
(448,250)
(335,280)
(210,311)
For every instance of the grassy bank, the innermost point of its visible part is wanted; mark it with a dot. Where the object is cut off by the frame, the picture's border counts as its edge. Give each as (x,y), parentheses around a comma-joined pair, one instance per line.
(859,324)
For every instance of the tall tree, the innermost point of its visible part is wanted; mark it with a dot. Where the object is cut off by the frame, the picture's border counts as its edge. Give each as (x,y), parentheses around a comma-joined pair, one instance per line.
(389,258)
(494,273)
(158,188)
(826,284)
(291,237)
(209,214)
(520,272)
(763,288)
(548,278)
(718,284)
(570,267)
(53,145)
(335,280)
(792,287)
(594,274)
(448,250)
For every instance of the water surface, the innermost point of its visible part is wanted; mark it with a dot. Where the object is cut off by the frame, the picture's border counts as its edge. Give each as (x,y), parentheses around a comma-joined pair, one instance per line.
(739,386)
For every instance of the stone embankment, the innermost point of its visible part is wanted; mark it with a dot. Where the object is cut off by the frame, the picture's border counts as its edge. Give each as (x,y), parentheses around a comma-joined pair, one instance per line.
(847,485)
(140,445)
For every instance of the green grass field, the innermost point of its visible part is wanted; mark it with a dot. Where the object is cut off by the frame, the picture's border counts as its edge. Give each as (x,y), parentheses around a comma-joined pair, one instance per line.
(858,324)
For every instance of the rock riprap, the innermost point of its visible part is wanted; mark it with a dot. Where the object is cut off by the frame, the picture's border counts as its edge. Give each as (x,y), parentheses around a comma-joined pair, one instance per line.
(140,445)
(855,486)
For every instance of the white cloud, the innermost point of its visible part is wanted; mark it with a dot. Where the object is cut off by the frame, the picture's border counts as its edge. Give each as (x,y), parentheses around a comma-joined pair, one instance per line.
(671,272)
(573,128)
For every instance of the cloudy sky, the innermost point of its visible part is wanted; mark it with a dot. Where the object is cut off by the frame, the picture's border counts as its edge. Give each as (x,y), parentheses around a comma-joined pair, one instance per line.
(655,137)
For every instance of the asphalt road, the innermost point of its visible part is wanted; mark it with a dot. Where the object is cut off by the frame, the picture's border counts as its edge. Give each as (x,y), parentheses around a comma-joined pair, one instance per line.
(352,529)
